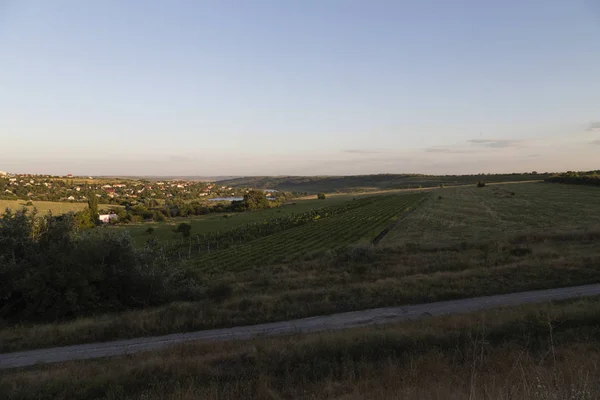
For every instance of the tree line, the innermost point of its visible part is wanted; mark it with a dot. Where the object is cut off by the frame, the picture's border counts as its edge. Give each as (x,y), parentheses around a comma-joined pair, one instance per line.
(590,178)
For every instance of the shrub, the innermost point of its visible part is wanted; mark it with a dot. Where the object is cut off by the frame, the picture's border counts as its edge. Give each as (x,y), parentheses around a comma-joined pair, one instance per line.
(480,184)
(150,230)
(184,228)
(158,216)
(29,203)
(48,271)
(321,196)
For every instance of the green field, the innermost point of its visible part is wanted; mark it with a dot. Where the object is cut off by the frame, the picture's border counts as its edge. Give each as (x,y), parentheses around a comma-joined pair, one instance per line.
(362,224)
(163,231)
(43,207)
(498,212)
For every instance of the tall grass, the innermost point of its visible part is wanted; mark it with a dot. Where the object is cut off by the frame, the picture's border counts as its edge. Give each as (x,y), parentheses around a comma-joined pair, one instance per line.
(532,352)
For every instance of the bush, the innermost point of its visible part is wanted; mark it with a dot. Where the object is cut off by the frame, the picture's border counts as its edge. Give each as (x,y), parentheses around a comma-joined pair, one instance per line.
(150,230)
(158,216)
(184,228)
(29,203)
(321,196)
(480,184)
(49,272)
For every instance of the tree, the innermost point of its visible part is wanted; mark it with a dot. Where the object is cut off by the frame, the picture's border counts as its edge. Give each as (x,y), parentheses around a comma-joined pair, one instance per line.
(93,209)
(158,216)
(184,228)
(255,200)
(321,196)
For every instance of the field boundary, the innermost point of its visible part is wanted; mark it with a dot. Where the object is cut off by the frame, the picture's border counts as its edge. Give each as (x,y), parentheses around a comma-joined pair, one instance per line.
(339,321)
(391,226)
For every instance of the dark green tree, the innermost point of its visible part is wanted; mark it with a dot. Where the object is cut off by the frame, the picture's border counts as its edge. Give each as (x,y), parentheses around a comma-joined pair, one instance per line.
(321,196)
(93,208)
(184,228)
(255,200)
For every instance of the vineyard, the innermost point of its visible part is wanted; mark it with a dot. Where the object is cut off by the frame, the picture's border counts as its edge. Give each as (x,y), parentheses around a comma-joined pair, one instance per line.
(358,222)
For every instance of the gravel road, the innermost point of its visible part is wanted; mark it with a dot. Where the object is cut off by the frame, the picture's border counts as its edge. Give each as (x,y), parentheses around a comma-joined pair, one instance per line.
(314,324)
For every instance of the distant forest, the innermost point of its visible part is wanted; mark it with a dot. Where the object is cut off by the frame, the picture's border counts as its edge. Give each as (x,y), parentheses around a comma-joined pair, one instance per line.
(315,184)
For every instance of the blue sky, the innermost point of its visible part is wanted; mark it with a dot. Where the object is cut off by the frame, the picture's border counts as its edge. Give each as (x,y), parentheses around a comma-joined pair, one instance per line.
(298,87)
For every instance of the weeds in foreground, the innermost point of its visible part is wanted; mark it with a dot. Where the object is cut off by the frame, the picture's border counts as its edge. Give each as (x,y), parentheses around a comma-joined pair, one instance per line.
(535,352)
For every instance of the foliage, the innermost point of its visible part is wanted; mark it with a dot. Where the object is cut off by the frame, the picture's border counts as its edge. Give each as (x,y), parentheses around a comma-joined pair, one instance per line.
(592,179)
(255,200)
(93,209)
(184,228)
(48,271)
(481,184)
(321,196)
(150,230)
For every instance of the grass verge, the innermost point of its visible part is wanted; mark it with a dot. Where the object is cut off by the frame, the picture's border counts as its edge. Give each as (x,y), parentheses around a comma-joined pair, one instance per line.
(548,351)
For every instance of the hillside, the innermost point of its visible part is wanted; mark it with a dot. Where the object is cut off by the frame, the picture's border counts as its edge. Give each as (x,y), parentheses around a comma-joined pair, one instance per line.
(313,184)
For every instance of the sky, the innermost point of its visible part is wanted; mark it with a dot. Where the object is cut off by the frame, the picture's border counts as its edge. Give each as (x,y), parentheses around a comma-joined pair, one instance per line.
(299,87)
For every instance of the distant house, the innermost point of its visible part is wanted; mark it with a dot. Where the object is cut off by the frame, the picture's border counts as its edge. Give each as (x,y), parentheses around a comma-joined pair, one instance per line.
(106,218)
(2,173)
(71,198)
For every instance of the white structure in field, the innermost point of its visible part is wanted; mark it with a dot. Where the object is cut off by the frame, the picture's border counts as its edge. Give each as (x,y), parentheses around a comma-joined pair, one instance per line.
(106,218)
(2,173)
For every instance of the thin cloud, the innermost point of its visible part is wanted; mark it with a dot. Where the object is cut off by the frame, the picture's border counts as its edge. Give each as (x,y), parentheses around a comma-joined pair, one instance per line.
(533,155)
(596,142)
(358,151)
(495,143)
(594,127)
(446,150)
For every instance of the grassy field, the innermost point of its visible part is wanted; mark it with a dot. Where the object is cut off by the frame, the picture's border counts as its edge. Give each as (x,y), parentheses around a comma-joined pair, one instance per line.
(498,212)
(163,231)
(540,352)
(43,207)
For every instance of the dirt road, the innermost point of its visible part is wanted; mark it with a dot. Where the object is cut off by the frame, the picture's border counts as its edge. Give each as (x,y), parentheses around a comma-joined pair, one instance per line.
(314,324)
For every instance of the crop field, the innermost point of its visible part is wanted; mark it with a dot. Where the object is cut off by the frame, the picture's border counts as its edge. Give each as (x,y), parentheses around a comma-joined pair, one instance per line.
(57,208)
(498,213)
(363,223)
(163,231)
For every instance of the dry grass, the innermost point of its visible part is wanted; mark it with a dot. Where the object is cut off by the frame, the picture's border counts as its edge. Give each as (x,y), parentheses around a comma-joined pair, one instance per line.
(545,352)
(43,207)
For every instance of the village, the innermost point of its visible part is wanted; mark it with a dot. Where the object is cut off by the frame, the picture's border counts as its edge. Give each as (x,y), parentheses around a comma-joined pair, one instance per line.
(70,188)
